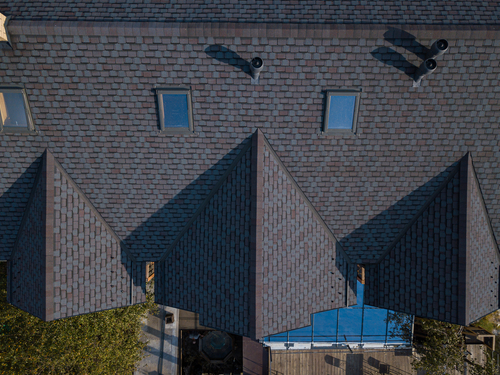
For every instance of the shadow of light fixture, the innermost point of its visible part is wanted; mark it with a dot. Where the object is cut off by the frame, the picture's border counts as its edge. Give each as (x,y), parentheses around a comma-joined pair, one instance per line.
(403,39)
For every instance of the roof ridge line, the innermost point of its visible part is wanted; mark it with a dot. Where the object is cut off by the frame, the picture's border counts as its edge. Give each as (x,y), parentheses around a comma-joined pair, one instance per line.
(420,212)
(490,228)
(18,26)
(92,208)
(28,204)
(205,202)
(307,201)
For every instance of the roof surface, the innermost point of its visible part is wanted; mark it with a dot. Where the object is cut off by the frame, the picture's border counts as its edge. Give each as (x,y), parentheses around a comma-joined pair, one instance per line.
(90,86)
(256,259)
(94,107)
(262,11)
(66,260)
(445,264)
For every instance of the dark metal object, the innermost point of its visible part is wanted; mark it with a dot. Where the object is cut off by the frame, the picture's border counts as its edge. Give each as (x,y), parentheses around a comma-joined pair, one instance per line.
(426,68)
(438,48)
(256,66)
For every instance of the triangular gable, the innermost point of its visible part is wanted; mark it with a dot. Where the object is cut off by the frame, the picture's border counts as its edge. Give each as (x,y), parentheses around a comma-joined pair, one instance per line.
(207,268)
(27,268)
(304,269)
(444,265)
(82,265)
(244,265)
(483,260)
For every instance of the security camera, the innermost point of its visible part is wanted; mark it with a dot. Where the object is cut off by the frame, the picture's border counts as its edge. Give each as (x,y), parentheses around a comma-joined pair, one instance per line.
(256,66)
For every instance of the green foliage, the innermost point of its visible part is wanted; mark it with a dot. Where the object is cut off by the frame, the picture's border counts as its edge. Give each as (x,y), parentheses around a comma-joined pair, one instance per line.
(489,322)
(490,366)
(443,349)
(106,342)
(401,325)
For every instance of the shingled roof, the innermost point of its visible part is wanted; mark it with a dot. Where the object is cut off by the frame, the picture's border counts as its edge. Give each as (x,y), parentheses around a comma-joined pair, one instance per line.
(256,259)
(103,130)
(90,84)
(262,11)
(67,261)
(445,264)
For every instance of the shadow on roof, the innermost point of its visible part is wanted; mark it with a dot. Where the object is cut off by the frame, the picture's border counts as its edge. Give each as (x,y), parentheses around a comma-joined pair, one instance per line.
(441,261)
(390,57)
(66,260)
(12,206)
(240,235)
(226,56)
(153,237)
(400,38)
(367,243)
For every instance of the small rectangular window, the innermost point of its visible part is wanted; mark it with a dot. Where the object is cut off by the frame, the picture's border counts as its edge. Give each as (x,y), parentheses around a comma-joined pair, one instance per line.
(175,110)
(15,115)
(341,113)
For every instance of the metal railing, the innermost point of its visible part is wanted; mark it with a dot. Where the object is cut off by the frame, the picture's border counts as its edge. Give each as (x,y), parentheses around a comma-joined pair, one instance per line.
(317,335)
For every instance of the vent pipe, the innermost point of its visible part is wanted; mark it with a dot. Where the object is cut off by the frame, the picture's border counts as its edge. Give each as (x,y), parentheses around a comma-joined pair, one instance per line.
(256,66)
(438,48)
(427,67)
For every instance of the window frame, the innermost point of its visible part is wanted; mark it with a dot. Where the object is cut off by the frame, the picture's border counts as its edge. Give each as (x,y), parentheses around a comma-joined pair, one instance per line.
(160,91)
(349,92)
(30,127)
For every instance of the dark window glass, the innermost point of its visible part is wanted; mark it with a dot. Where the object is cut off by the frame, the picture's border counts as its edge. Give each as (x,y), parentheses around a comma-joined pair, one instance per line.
(341,111)
(175,108)
(12,110)
(341,114)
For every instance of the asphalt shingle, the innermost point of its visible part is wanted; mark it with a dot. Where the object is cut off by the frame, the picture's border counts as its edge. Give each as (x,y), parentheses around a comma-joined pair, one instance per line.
(66,260)
(444,265)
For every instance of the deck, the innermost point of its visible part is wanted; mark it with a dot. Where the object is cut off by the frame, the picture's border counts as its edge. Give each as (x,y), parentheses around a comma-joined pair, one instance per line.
(341,362)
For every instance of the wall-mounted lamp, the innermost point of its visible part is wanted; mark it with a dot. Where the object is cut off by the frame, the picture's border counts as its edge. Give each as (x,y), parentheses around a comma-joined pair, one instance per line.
(256,66)
(426,68)
(438,48)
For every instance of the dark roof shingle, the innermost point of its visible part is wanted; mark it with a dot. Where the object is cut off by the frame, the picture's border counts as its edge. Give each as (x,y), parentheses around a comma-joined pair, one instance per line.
(67,261)
(262,11)
(444,264)
(255,277)
(90,87)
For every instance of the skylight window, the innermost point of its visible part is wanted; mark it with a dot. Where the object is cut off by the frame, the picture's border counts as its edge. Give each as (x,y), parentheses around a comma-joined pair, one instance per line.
(175,110)
(341,113)
(15,115)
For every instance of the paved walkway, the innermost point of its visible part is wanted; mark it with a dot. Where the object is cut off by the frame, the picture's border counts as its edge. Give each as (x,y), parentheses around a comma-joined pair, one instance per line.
(163,347)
